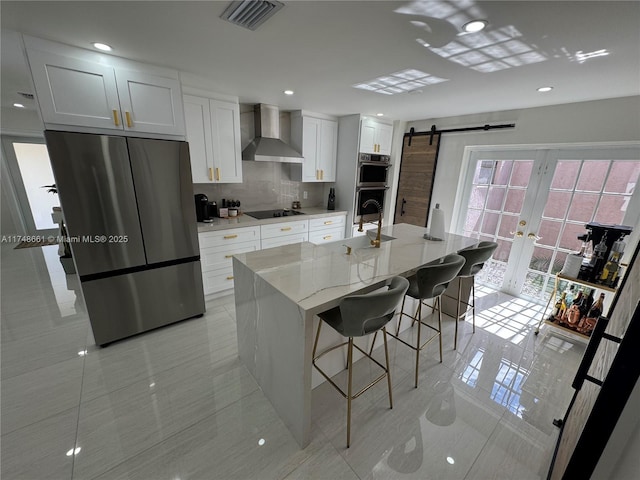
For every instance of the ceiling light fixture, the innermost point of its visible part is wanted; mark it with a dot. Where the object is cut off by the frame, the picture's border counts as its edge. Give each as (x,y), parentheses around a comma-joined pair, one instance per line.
(474,26)
(379,114)
(289,92)
(18,105)
(545,89)
(102,46)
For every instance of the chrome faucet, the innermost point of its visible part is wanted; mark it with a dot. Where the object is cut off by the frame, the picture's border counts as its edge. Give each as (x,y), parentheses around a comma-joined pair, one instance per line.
(375,243)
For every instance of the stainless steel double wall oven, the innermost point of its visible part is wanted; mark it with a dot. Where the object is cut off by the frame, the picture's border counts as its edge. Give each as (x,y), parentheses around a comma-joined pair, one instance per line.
(372,184)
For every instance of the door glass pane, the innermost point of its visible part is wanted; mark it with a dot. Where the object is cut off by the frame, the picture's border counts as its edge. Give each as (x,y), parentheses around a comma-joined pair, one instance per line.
(592,175)
(549,232)
(565,175)
(612,208)
(557,204)
(35,169)
(515,200)
(622,177)
(582,207)
(521,173)
(495,198)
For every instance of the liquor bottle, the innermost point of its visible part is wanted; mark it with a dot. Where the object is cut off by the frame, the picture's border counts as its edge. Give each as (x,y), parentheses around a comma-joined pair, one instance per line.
(598,258)
(611,269)
(578,299)
(586,303)
(597,308)
(564,305)
(555,313)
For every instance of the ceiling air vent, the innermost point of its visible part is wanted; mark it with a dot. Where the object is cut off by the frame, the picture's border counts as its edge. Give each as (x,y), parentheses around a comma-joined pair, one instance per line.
(251,13)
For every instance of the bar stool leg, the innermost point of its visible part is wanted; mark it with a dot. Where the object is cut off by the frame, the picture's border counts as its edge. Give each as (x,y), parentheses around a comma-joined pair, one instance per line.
(455,336)
(386,355)
(473,301)
(418,342)
(349,388)
(439,324)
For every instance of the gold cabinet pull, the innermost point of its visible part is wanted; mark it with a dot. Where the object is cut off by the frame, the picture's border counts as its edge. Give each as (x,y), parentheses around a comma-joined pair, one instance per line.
(327,237)
(321,174)
(230,277)
(317,174)
(229,237)
(128,117)
(116,120)
(228,256)
(217,174)
(285,229)
(211,174)
(328,222)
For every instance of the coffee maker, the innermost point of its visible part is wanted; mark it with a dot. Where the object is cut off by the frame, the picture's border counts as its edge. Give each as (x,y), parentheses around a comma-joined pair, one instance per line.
(206,211)
(603,238)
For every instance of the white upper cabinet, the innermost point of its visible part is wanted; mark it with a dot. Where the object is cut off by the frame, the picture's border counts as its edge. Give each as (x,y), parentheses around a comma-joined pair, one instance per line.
(317,139)
(150,103)
(375,137)
(80,88)
(213,133)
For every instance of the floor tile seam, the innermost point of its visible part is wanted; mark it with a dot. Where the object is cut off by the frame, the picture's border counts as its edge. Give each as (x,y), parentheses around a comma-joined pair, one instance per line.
(179,432)
(129,384)
(43,335)
(75,441)
(4,378)
(48,417)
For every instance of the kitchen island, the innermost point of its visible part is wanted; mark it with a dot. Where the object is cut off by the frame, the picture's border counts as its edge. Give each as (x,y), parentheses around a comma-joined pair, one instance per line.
(278,292)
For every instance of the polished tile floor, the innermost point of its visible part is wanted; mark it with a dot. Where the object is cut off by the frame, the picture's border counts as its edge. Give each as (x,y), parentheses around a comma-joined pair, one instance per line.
(177,403)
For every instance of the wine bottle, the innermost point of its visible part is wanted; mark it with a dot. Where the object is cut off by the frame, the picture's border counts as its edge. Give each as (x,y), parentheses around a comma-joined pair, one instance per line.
(596,309)
(598,258)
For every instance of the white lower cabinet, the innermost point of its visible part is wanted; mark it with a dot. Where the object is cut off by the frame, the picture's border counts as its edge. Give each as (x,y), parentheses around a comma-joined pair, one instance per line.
(284,233)
(216,254)
(326,229)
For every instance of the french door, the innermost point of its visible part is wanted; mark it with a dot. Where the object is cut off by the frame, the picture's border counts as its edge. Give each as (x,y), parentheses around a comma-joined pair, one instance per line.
(534,203)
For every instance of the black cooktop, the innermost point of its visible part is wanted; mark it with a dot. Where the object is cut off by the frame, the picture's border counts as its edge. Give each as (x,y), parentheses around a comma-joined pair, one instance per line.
(262,214)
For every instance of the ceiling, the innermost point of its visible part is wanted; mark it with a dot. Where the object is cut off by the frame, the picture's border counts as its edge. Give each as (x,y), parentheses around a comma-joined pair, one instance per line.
(586,50)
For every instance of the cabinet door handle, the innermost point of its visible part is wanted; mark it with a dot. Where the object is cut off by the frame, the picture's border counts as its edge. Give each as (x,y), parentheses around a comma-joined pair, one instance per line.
(328,222)
(116,120)
(317,174)
(217,174)
(321,174)
(326,237)
(128,117)
(228,256)
(229,237)
(211,174)
(285,229)
(230,277)
(402,207)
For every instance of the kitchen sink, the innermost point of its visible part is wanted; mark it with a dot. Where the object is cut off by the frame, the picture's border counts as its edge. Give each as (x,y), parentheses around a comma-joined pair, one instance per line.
(358,243)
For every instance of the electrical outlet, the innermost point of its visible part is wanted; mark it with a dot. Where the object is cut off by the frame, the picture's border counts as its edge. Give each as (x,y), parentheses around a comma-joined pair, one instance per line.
(305,195)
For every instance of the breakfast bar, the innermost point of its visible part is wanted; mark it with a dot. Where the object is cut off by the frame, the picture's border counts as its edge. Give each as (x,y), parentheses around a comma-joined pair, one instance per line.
(278,292)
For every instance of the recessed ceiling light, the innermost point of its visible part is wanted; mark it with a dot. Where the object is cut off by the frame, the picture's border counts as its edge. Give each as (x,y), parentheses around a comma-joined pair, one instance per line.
(379,114)
(474,26)
(18,105)
(545,89)
(102,46)
(288,92)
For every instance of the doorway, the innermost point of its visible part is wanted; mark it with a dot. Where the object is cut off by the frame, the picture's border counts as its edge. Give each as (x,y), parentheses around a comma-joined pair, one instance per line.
(30,174)
(535,202)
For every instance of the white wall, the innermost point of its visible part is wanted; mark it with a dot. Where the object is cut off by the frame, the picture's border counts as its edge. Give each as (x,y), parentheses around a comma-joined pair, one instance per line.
(610,120)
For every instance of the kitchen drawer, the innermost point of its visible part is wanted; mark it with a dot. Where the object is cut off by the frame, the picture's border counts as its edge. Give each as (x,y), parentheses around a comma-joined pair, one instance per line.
(327,235)
(219,257)
(217,280)
(228,237)
(284,240)
(284,228)
(326,222)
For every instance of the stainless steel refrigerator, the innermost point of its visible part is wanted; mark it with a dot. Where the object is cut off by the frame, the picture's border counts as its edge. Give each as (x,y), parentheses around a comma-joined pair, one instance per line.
(128,207)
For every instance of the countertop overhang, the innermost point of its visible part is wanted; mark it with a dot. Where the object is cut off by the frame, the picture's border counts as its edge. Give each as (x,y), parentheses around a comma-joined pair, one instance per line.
(316,277)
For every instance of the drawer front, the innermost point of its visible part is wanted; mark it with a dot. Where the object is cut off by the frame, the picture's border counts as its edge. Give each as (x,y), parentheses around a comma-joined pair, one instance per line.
(284,240)
(326,222)
(326,235)
(220,257)
(284,228)
(218,280)
(228,237)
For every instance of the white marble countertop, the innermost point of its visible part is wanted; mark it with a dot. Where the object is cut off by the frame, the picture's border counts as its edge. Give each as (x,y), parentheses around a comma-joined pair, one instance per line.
(316,277)
(247,221)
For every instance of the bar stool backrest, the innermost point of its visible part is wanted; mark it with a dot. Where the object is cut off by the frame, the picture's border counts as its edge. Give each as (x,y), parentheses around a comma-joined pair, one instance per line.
(434,277)
(364,314)
(475,257)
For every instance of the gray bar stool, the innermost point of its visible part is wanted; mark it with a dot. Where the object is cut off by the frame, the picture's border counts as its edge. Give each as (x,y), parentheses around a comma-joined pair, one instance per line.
(475,258)
(429,282)
(357,316)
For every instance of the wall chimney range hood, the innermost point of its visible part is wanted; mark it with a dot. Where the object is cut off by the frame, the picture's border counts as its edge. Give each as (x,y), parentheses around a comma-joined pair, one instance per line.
(267,146)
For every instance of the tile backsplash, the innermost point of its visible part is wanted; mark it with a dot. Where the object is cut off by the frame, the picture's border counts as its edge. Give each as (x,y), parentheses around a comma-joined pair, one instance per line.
(265,186)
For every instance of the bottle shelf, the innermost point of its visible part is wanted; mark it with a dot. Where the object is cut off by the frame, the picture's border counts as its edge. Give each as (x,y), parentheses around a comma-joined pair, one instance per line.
(585,283)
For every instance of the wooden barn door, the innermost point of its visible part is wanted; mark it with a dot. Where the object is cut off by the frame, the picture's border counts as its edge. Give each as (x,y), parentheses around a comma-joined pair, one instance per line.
(415,184)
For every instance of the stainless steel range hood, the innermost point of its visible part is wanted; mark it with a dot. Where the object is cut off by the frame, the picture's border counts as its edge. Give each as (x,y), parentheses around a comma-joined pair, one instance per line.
(267,146)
